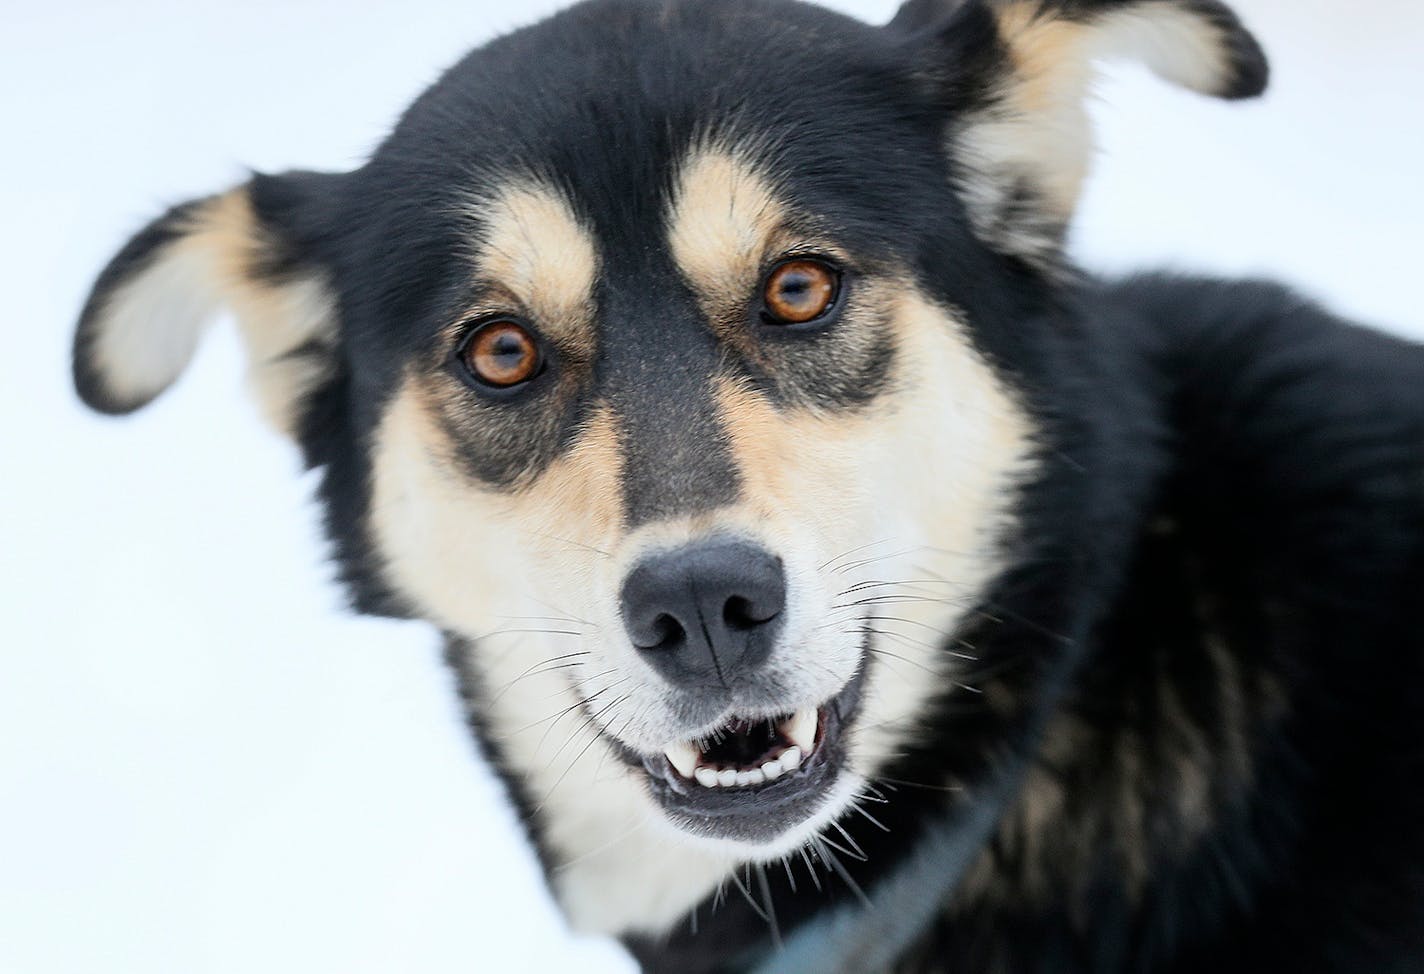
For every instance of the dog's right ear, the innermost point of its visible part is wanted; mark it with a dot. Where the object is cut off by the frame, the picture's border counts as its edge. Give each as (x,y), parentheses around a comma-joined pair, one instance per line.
(257,250)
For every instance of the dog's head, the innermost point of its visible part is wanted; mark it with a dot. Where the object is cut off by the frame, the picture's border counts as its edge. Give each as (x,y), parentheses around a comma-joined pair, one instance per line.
(678,359)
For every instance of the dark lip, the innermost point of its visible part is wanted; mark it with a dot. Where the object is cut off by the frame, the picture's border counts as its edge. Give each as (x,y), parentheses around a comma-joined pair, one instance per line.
(759,813)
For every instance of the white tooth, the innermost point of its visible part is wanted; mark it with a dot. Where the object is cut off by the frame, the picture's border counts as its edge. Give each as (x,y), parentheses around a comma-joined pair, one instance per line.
(790,758)
(683,757)
(744,778)
(726,778)
(772,770)
(707,777)
(754,777)
(801,728)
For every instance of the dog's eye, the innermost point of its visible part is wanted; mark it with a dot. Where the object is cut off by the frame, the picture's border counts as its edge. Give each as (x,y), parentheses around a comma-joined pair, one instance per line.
(502,354)
(800,291)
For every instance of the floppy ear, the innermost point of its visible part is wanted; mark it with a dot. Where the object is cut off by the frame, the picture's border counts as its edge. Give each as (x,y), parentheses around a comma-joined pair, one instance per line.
(1020,71)
(254,249)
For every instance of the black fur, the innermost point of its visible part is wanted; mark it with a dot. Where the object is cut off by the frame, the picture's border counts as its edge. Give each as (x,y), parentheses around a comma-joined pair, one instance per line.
(1218,565)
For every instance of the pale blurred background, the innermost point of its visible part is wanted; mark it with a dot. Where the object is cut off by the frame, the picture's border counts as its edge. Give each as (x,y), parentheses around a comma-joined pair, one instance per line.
(206,765)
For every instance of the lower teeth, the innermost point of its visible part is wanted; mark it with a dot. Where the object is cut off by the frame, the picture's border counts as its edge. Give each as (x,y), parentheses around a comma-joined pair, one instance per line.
(800,729)
(788,760)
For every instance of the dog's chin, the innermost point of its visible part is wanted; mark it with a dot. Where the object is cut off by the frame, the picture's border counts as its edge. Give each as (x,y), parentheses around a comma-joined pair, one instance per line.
(759,786)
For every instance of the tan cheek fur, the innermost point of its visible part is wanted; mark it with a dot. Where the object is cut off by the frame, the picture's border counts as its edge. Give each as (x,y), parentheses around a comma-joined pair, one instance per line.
(459,549)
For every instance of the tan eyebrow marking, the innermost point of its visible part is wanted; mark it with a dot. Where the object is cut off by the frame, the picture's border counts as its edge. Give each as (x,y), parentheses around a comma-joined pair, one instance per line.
(723,217)
(535,248)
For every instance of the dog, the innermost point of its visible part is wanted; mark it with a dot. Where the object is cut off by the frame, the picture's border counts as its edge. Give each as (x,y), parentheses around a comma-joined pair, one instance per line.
(837,578)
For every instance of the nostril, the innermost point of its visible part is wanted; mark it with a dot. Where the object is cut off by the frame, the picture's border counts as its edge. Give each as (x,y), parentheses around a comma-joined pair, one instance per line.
(742,614)
(667,632)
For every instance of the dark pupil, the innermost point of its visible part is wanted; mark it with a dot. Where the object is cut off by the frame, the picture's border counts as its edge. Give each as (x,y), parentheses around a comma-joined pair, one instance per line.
(509,351)
(796,287)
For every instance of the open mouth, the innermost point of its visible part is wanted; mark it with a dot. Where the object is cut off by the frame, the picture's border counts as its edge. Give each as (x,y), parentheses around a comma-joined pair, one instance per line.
(753,778)
(748,754)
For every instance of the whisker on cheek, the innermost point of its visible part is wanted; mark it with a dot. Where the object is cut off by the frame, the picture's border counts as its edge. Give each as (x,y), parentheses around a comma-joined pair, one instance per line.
(575,685)
(879,583)
(871,561)
(936,648)
(895,600)
(538,669)
(571,543)
(556,717)
(590,723)
(527,632)
(826,566)
(563,611)
(595,737)
(568,619)
(886,654)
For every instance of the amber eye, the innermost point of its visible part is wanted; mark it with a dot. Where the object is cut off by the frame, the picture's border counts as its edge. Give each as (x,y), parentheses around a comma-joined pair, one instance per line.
(503,354)
(799,291)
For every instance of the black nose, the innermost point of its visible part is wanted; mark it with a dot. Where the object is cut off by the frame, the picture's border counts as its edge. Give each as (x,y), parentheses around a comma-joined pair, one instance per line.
(705,614)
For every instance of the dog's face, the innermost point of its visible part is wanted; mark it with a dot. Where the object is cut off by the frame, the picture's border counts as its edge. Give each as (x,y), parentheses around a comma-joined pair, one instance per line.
(675,358)
(730,451)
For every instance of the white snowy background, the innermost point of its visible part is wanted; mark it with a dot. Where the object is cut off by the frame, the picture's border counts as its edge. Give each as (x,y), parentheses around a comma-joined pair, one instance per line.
(206,765)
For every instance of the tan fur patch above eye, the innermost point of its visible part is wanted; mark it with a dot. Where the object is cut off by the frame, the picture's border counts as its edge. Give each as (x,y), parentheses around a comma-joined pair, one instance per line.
(722,219)
(535,247)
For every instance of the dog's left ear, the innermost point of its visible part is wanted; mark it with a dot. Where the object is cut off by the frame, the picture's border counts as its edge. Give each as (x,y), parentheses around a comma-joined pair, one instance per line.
(1016,75)
(257,250)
